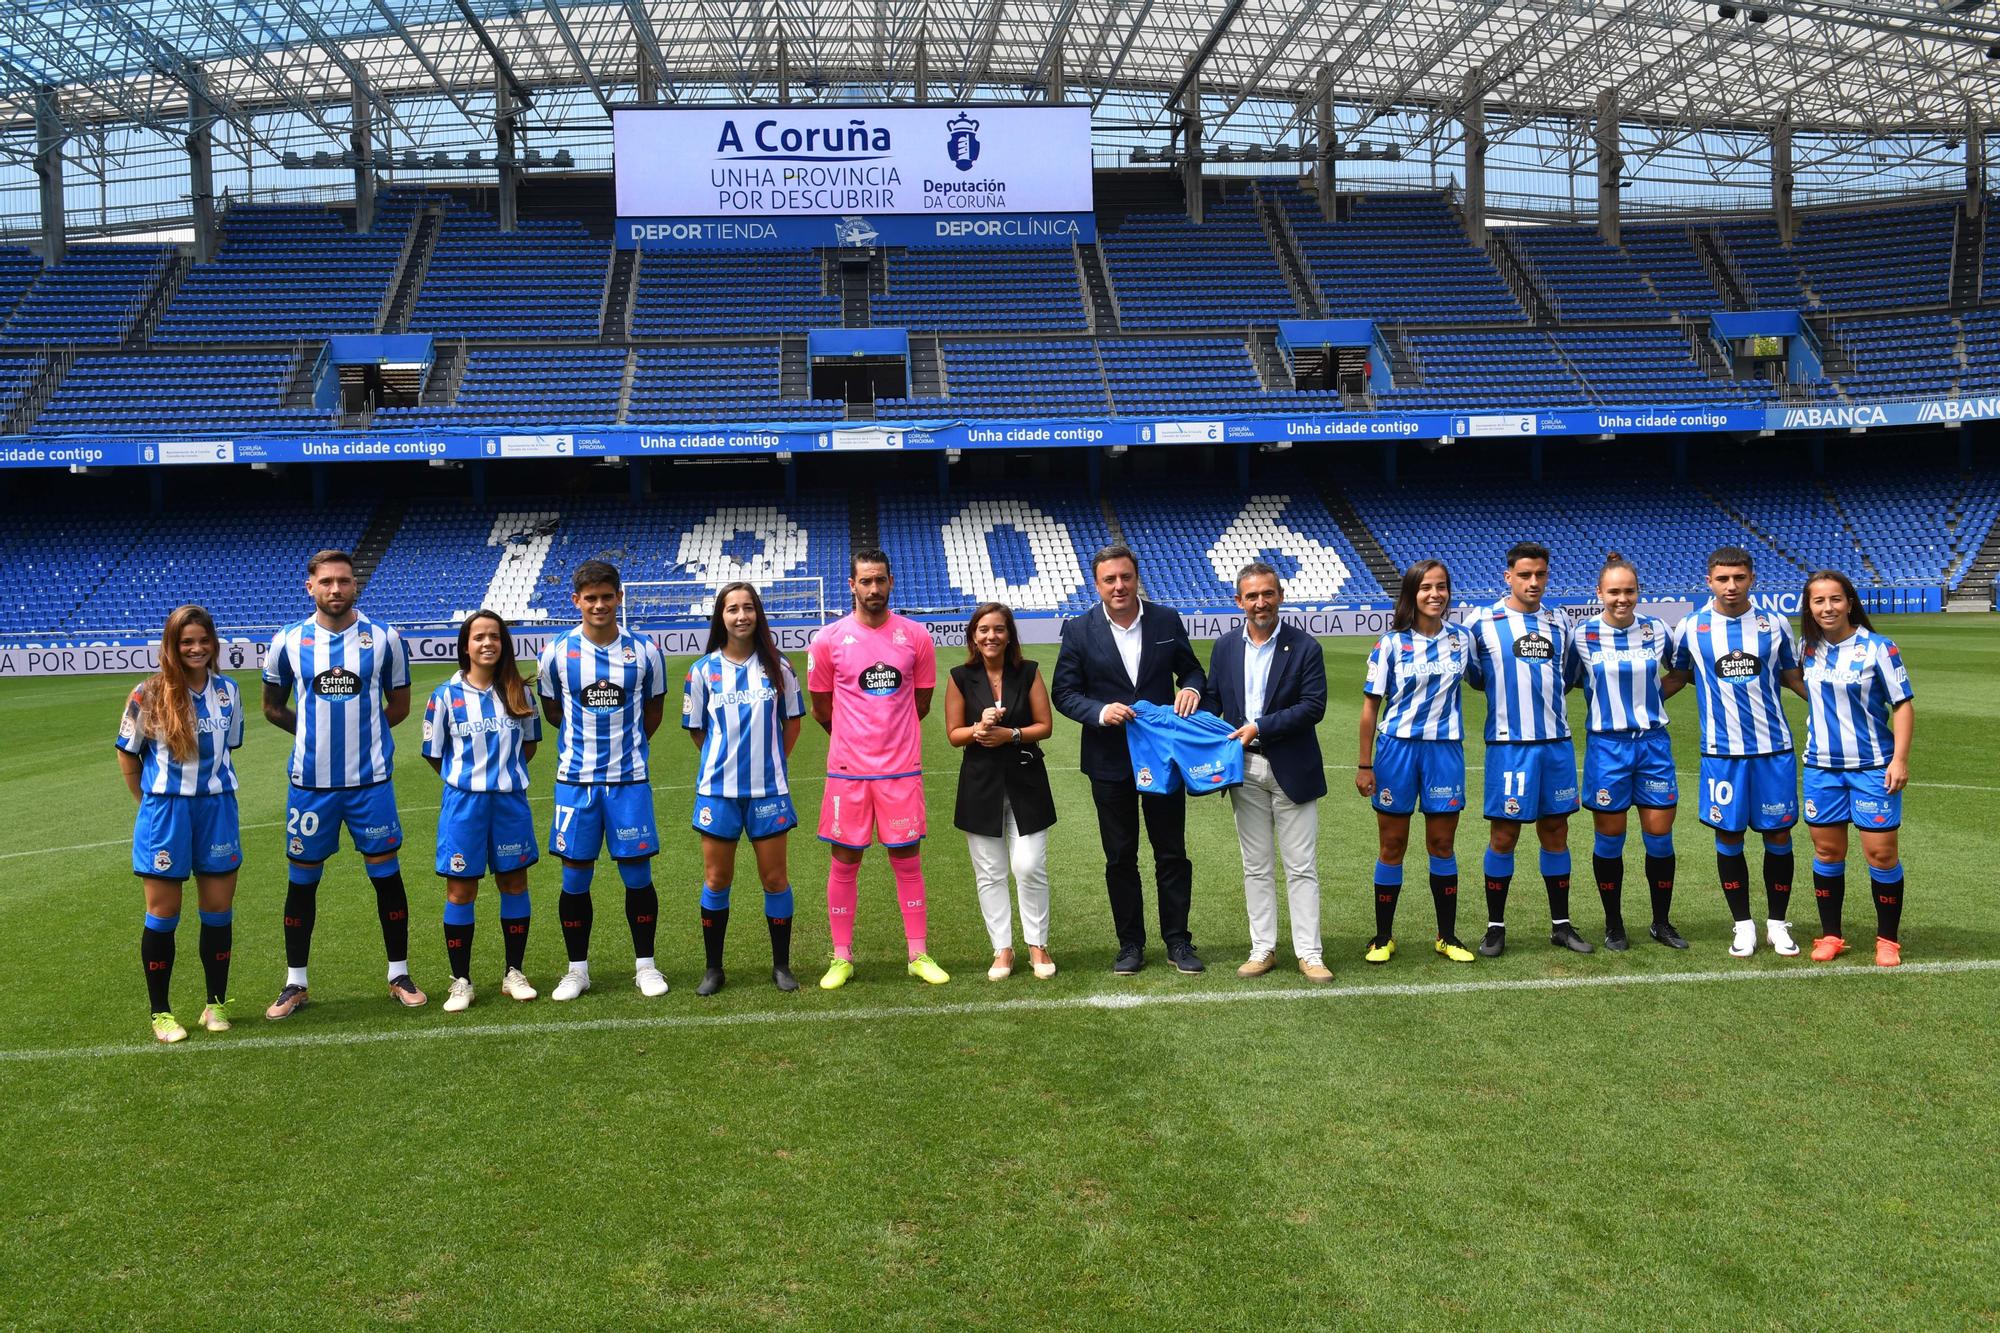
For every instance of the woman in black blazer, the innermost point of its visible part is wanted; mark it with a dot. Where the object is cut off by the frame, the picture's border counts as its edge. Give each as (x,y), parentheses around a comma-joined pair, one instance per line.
(996,709)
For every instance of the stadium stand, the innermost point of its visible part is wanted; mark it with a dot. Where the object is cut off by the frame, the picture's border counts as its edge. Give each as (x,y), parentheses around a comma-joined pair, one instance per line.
(548,277)
(1401,258)
(1877,258)
(1028,549)
(286,272)
(1589,279)
(1773,274)
(1488,370)
(546,385)
(445,555)
(1639,366)
(710,383)
(1165,376)
(1172,273)
(687,296)
(130,392)
(1900,355)
(980,291)
(1013,379)
(1982,351)
(19,267)
(1195,540)
(91,298)
(1663,252)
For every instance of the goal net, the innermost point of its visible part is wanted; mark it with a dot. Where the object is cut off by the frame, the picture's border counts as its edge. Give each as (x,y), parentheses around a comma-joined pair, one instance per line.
(692,601)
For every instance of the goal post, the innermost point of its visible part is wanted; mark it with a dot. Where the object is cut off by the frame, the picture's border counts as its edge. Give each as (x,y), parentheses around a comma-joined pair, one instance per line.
(692,601)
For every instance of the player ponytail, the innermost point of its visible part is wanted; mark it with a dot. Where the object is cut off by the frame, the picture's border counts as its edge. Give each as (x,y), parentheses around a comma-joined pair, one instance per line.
(1809,631)
(164,700)
(507,682)
(765,641)
(1406,597)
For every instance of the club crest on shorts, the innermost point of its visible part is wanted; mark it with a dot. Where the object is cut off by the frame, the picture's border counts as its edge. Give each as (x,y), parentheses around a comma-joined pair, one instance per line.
(297,846)
(1385,796)
(1604,796)
(1512,806)
(1812,808)
(705,818)
(1715,814)
(163,860)
(562,843)
(1145,777)
(457,863)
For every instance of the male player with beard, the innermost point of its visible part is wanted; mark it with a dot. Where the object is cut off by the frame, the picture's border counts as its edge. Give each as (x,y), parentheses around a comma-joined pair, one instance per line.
(604,692)
(1739,658)
(871,674)
(339,682)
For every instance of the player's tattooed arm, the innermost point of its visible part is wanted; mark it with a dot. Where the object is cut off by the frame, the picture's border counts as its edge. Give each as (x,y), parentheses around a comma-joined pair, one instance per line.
(397,705)
(278,708)
(129,767)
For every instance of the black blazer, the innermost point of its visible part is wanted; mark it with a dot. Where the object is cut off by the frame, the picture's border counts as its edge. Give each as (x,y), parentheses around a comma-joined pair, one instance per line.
(1017,772)
(1090,674)
(1294,703)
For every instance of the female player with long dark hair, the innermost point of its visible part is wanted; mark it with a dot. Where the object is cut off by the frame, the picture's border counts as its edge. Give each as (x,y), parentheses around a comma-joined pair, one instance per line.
(1859,720)
(1628,758)
(1413,751)
(480,731)
(741,706)
(173,748)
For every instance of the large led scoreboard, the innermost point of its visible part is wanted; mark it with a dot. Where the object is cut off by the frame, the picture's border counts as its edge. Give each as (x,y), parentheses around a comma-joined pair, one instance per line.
(783,177)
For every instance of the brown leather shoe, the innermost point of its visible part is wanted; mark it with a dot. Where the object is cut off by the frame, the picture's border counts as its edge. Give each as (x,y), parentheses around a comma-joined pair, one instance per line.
(1315,971)
(1258,965)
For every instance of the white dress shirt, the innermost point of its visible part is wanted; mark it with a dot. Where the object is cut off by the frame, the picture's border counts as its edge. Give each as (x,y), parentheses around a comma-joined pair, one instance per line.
(1130,642)
(1257,659)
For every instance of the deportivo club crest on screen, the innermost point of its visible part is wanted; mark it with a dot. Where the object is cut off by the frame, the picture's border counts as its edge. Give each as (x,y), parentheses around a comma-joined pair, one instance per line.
(964,141)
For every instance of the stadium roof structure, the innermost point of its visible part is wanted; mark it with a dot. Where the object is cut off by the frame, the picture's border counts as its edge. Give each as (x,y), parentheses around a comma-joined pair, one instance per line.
(1400,70)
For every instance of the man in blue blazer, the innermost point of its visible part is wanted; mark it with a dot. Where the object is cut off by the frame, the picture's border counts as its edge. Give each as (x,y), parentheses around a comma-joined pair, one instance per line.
(1121,651)
(1269,682)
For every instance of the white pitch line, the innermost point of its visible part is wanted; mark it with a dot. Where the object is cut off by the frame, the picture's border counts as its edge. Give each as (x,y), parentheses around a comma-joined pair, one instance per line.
(1111,1000)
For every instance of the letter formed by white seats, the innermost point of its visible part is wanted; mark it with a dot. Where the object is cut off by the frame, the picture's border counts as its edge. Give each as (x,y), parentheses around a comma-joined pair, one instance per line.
(517,580)
(1260,527)
(968,559)
(704,554)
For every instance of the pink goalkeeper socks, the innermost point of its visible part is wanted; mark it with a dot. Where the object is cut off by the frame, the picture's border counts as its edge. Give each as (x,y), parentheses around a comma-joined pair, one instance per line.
(843,890)
(909,873)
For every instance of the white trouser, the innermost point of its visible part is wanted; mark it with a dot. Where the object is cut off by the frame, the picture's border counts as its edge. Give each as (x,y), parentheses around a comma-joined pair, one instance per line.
(1029,854)
(1270,826)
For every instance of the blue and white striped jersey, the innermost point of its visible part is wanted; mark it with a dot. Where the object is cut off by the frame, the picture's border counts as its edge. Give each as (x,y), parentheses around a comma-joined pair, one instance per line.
(1620,672)
(479,741)
(1851,688)
(218,729)
(741,717)
(1736,662)
(603,692)
(1416,676)
(1524,663)
(340,682)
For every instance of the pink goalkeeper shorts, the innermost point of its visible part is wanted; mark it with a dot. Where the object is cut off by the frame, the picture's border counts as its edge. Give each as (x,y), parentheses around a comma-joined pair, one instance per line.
(857,812)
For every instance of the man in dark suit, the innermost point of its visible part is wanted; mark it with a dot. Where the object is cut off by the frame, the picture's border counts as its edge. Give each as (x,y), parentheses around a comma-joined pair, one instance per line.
(1269,682)
(1117,653)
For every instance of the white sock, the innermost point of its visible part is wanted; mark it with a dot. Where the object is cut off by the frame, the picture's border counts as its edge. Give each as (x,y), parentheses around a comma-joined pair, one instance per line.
(641,964)
(581,969)
(295,976)
(398,967)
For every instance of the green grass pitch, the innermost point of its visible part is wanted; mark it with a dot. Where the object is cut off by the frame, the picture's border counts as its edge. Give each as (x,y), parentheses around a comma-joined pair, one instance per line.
(1795,1147)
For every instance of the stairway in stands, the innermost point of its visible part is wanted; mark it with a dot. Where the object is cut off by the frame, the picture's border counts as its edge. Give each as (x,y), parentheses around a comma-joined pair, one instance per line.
(1730,284)
(382,527)
(171,275)
(410,274)
(1968,257)
(615,319)
(1291,260)
(1975,591)
(1100,299)
(1364,542)
(1521,279)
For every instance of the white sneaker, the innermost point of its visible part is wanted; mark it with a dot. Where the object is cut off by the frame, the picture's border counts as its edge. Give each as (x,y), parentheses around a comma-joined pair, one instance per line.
(1779,933)
(650,983)
(1744,943)
(460,997)
(515,986)
(572,985)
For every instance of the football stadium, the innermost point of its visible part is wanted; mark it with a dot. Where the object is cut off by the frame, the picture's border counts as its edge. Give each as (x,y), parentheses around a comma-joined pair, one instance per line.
(1116,601)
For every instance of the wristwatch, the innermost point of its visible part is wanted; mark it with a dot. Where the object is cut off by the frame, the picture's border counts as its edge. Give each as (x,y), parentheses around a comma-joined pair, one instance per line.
(1017,735)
